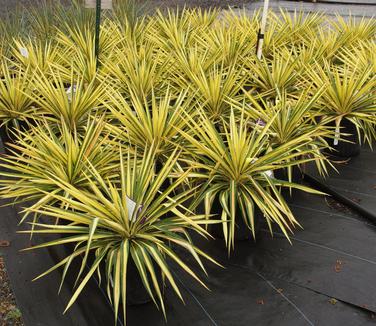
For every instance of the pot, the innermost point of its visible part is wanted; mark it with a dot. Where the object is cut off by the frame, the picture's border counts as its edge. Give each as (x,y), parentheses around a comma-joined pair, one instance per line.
(167,182)
(6,139)
(136,291)
(344,148)
(296,177)
(7,134)
(242,231)
(282,174)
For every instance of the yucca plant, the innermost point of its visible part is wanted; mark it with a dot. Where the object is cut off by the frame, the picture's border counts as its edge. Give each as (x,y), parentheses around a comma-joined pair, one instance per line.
(36,54)
(234,167)
(16,103)
(361,56)
(356,29)
(123,223)
(275,35)
(78,49)
(71,103)
(172,30)
(293,120)
(145,122)
(137,70)
(349,94)
(228,41)
(306,56)
(44,155)
(213,87)
(300,27)
(333,43)
(268,77)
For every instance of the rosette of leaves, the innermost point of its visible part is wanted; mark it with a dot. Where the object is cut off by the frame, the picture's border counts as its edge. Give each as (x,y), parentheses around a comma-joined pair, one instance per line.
(298,26)
(293,121)
(138,70)
(77,49)
(35,54)
(143,123)
(269,77)
(43,155)
(349,92)
(355,29)
(233,167)
(100,223)
(210,88)
(16,102)
(65,103)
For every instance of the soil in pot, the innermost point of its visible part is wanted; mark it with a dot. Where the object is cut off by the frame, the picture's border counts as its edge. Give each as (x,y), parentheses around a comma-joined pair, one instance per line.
(342,148)
(242,232)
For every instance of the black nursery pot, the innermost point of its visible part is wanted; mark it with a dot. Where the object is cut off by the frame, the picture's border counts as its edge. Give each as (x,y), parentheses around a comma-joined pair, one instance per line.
(282,174)
(242,232)
(136,292)
(166,183)
(296,177)
(7,133)
(343,148)
(5,136)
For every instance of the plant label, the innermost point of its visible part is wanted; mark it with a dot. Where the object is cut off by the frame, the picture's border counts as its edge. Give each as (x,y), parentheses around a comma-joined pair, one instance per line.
(269,173)
(24,52)
(337,133)
(70,91)
(92,4)
(131,206)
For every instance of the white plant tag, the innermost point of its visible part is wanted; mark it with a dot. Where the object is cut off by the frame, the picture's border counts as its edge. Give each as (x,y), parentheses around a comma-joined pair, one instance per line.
(131,205)
(269,173)
(70,91)
(24,52)
(337,134)
(92,4)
